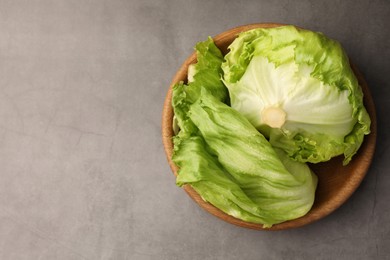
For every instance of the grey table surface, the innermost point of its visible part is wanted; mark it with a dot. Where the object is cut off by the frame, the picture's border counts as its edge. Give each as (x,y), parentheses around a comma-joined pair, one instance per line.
(83,174)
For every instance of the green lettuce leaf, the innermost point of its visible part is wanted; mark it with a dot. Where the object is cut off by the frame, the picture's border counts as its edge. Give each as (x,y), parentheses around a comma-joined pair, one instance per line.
(234,167)
(206,73)
(298,89)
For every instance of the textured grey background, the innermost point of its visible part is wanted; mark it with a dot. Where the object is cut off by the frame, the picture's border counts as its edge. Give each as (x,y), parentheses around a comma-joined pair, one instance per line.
(83,174)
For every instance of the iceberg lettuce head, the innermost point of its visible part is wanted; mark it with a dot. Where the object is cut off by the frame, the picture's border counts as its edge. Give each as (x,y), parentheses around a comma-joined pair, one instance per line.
(298,89)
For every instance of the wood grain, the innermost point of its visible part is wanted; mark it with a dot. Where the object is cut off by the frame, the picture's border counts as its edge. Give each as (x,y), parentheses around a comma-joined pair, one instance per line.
(336,182)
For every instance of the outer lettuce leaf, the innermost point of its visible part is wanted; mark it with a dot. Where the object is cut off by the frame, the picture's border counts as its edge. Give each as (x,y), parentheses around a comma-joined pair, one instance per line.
(280,189)
(205,73)
(308,76)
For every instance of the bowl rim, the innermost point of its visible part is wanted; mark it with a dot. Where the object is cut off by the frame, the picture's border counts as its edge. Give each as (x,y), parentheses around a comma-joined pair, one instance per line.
(367,148)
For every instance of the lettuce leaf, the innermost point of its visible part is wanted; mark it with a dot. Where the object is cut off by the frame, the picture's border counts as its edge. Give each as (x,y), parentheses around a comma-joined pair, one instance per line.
(225,159)
(206,73)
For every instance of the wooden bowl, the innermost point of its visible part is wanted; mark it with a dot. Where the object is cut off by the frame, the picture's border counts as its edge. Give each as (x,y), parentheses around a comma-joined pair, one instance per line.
(336,182)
